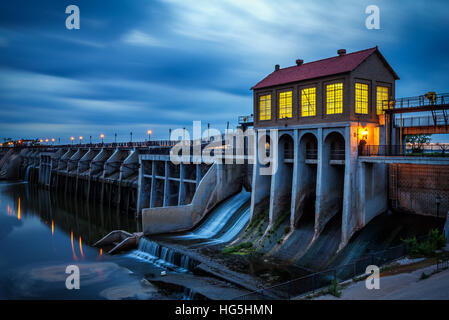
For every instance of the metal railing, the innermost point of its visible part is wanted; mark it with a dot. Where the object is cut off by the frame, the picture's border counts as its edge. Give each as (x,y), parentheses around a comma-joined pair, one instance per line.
(440,150)
(442,264)
(315,282)
(427,121)
(337,154)
(311,154)
(416,102)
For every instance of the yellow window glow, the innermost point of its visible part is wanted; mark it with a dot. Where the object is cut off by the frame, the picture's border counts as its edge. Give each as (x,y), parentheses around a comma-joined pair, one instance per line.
(334,98)
(382,95)
(265,107)
(308,102)
(361,98)
(285,105)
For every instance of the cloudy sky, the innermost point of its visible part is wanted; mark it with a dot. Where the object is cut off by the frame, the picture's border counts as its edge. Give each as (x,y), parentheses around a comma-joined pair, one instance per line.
(161,64)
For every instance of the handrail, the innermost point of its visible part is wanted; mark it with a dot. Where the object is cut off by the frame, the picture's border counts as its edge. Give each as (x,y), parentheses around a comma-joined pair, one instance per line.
(425,150)
(416,102)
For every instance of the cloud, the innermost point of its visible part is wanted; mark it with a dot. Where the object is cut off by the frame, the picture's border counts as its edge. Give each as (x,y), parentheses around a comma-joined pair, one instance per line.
(139,38)
(165,63)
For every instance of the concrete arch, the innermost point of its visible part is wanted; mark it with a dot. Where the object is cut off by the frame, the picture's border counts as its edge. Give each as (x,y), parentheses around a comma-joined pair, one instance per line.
(329,131)
(304,132)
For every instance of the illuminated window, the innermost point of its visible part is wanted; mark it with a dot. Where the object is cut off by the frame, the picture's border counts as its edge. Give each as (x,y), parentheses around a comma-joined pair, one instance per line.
(361,98)
(334,96)
(285,105)
(382,95)
(265,107)
(308,102)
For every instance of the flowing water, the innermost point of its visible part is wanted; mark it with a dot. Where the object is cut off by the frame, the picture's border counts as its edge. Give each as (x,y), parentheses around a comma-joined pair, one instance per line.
(160,256)
(224,223)
(41,233)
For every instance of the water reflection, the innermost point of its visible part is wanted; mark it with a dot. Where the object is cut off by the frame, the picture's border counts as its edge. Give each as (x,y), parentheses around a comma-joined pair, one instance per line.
(86,220)
(41,232)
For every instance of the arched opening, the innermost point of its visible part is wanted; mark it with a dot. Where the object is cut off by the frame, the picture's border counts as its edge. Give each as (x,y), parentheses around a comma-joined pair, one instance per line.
(283,178)
(305,211)
(336,144)
(333,173)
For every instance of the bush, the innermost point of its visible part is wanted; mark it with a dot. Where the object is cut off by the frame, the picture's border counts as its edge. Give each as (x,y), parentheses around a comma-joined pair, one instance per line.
(435,241)
(286,229)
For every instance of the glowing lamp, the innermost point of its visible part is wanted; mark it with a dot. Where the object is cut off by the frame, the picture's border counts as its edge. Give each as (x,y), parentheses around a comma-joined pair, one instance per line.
(364,133)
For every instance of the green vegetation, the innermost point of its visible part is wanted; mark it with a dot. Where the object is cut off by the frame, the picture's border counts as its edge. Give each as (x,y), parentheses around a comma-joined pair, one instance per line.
(241,248)
(424,276)
(260,217)
(286,229)
(435,241)
(284,215)
(333,289)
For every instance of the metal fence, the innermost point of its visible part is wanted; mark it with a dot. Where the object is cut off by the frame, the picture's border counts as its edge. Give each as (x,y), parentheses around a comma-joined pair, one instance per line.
(315,282)
(442,264)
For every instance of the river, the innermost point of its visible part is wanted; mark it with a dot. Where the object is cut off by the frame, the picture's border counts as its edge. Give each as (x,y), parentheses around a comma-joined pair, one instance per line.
(41,233)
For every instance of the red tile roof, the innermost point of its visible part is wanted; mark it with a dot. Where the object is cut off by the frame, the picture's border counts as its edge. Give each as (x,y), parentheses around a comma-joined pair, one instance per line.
(320,68)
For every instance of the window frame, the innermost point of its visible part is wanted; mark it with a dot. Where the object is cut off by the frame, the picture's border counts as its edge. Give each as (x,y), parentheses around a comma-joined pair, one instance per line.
(301,101)
(333,83)
(361,100)
(382,85)
(259,113)
(278,103)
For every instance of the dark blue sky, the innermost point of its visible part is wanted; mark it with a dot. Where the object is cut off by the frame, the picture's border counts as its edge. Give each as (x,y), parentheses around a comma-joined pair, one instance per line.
(138,64)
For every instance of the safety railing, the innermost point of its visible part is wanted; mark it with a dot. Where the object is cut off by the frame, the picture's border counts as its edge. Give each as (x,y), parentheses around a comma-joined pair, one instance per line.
(425,150)
(337,154)
(442,264)
(427,100)
(428,121)
(311,154)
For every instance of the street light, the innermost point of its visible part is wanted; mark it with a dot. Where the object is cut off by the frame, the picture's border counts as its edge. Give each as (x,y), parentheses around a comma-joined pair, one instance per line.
(46,140)
(81,139)
(102,137)
(438,202)
(149,134)
(73,139)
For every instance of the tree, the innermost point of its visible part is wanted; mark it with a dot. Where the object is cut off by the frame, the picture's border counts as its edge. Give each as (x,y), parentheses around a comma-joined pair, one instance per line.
(444,147)
(417,141)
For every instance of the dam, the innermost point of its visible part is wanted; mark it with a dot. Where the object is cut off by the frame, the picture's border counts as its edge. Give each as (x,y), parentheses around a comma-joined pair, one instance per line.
(322,158)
